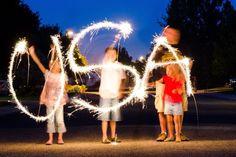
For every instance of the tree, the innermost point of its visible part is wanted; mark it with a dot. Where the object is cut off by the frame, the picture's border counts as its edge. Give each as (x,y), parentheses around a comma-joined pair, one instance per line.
(124,56)
(204,36)
(17,20)
(224,58)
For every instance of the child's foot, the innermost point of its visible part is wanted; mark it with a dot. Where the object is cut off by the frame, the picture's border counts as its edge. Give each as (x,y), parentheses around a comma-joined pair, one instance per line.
(161,137)
(106,141)
(60,141)
(183,137)
(178,139)
(49,142)
(169,139)
(115,140)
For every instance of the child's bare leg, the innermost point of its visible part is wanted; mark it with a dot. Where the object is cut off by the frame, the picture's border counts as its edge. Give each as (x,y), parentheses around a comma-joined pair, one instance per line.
(177,120)
(60,138)
(183,137)
(181,122)
(50,138)
(162,120)
(113,129)
(104,129)
(170,126)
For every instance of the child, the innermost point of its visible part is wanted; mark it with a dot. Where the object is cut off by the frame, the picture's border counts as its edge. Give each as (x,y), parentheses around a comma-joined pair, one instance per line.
(50,94)
(174,87)
(173,36)
(109,90)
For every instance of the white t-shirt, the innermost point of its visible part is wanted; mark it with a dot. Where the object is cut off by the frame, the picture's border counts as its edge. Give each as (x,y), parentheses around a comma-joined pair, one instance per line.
(111,81)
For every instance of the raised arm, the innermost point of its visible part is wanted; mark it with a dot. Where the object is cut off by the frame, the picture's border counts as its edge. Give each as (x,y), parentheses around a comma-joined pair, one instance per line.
(117,38)
(36,59)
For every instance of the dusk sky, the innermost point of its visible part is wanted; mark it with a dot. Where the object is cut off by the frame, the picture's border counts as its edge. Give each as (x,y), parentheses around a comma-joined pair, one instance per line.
(75,14)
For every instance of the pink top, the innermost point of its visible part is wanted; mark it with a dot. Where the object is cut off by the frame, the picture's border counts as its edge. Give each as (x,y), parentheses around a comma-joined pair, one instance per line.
(51,89)
(170,85)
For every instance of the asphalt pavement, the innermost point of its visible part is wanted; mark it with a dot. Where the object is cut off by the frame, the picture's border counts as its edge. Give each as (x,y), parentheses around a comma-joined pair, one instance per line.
(212,131)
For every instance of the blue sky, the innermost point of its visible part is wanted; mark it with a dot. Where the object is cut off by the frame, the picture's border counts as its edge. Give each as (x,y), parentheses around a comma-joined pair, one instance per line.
(77,14)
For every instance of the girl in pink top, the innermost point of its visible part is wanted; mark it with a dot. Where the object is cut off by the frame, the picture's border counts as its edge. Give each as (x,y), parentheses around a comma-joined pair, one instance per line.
(50,94)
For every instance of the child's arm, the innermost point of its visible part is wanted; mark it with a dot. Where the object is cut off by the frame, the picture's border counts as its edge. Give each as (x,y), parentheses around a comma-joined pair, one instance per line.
(151,84)
(36,59)
(179,90)
(122,87)
(117,37)
(160,80)
(53,51)
(53,56)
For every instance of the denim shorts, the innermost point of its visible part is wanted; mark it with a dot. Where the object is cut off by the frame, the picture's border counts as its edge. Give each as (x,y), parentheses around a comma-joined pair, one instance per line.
(173,109)
(113,115)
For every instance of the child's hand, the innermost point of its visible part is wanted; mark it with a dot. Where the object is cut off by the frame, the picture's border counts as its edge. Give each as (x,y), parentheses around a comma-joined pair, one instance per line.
(177,91)
(31,50)
(121,95)
(174,91)
(117,37)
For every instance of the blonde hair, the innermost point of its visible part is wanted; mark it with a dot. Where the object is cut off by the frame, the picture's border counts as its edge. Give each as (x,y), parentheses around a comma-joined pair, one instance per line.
(177,72)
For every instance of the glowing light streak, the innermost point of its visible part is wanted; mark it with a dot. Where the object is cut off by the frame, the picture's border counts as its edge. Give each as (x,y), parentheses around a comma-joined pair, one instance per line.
(20,49)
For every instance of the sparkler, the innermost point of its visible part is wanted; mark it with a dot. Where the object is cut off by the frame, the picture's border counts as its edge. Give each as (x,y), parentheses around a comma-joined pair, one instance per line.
(124,28)
(138,93)
(183,63)
(21,49)
(83,104)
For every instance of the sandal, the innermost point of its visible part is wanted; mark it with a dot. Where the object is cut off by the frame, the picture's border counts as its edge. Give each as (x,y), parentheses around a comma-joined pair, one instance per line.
(106,141)
(178,139)
(169,139)
(115,140)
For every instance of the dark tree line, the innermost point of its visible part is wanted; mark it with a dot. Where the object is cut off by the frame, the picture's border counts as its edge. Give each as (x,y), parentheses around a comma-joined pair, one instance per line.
(18,21)
(208,35)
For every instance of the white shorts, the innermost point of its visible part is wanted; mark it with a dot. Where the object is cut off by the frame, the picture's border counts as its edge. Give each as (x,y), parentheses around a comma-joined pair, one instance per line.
(173,109)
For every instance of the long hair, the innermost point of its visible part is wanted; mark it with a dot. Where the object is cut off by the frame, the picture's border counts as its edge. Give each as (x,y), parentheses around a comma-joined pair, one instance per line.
(177,72)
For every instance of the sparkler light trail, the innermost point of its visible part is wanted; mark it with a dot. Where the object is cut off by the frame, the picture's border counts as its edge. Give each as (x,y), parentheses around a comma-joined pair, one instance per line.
(138,93)
(183,63)
(124,29)
(21,49)
(133,94)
